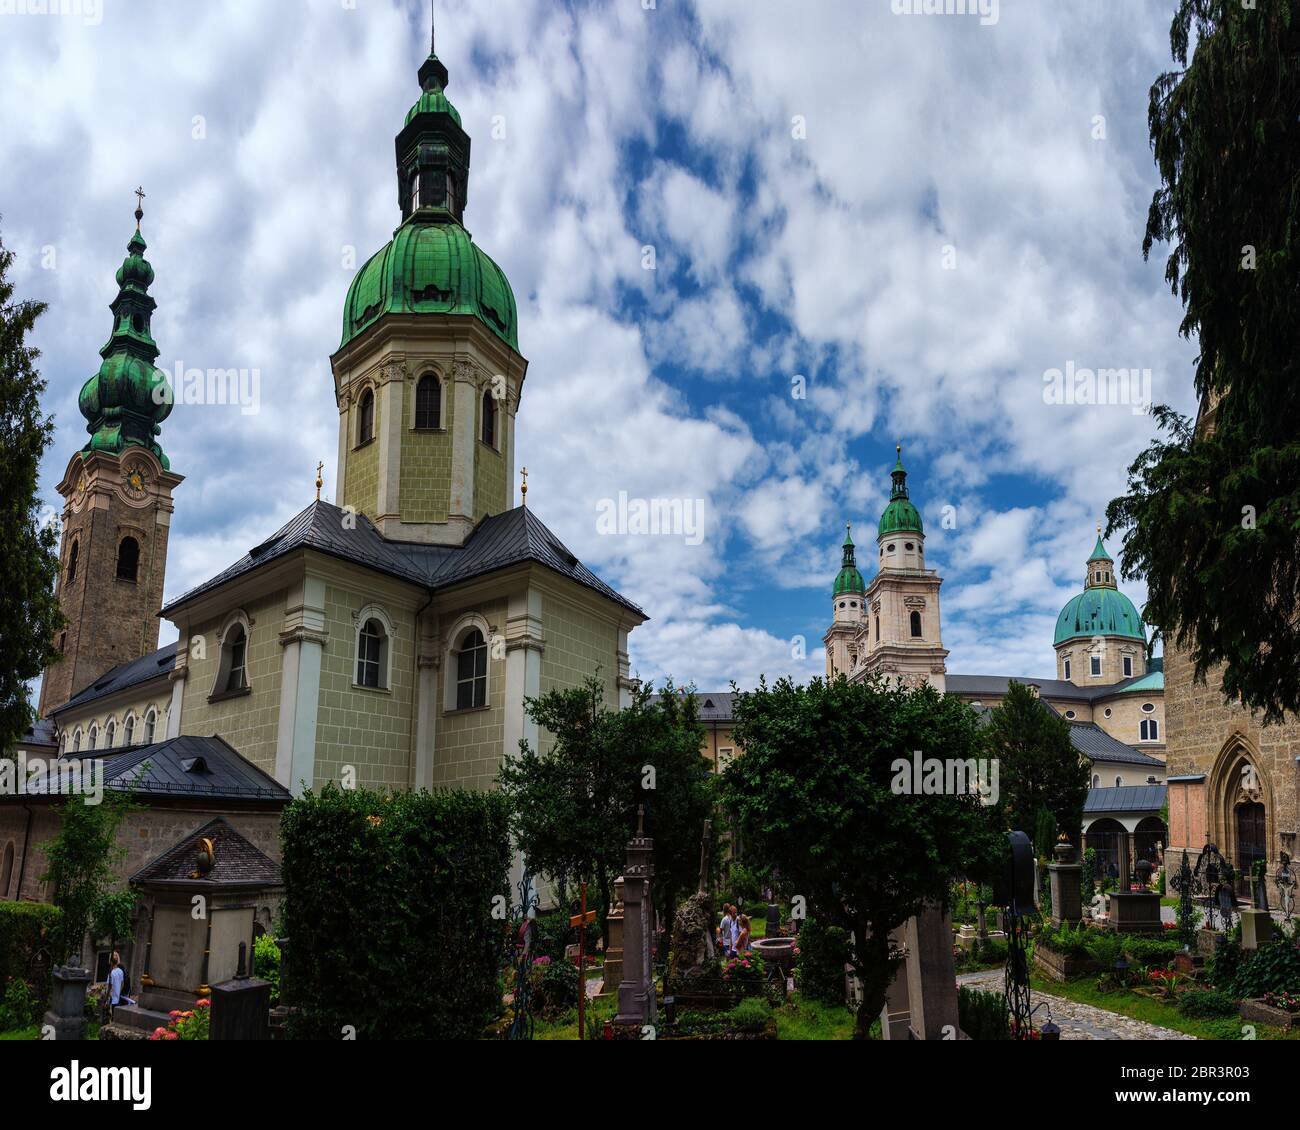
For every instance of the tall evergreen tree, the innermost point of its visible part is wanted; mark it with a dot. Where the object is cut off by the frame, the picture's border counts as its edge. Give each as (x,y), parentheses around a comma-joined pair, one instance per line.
(1213,512)
(28,548)
(1038,767)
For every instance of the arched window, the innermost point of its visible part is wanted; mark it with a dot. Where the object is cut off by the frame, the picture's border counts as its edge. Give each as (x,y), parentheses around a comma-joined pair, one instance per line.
(1067,669)
(92,736)
(128,559)
(916,625)
(1096,780)
(76,741)
(63,742)
(366,417)
(235,658)
(1149,730)
(877,629)
(489,419)
(128,730)
(1119,781)
(415,190)
(72,560)
(150,722)
(471,671)
(372,646)
(451,194)
(1128,666)
(428,402)
(110,733)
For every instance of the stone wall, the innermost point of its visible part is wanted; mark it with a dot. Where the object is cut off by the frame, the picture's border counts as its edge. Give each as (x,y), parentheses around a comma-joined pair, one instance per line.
(470,743)
(425,485)
(248,722)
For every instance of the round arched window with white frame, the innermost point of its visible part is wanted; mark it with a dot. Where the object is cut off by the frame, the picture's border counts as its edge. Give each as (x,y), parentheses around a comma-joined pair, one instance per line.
(470,670)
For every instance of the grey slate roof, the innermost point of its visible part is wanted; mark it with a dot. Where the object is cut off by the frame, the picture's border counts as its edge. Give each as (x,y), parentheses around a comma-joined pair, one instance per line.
(1048,688)
(1126,798)
(124,675)
(498,541)
(1092,740)
(235,862)
(186,767)
(714,706)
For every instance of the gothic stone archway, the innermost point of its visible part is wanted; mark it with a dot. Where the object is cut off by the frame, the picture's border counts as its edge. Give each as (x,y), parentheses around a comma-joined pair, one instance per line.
(1241,813)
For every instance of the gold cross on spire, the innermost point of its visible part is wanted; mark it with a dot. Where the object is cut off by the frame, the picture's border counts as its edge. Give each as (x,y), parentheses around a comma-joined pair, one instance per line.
(320,481)
(139,206)
(523,489)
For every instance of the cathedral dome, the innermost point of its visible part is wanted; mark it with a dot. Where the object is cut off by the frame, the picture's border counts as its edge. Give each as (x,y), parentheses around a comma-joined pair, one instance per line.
(1099,612)
(433,102)
(900,516)
(432,269)
(848,579)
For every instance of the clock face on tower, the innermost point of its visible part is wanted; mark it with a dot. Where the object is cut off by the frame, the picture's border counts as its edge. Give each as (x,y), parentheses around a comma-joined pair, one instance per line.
(135,480)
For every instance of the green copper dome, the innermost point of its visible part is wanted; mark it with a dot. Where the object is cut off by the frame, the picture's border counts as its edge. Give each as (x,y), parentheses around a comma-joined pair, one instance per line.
(432,269)
(433,102)
(848,579)
(128,398)
(1099,612)
(431,265)
(900,515)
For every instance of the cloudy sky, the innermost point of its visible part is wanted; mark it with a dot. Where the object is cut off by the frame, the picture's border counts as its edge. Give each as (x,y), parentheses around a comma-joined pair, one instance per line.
(866,224)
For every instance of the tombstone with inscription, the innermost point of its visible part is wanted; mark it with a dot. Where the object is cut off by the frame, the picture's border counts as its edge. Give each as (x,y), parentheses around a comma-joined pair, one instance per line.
(636,992)
(202,897)
(241,1006)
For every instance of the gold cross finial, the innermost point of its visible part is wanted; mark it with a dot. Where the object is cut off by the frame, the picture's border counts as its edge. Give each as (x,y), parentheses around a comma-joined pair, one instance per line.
(320,481)
(139,207)
(1099,529)
(523,488)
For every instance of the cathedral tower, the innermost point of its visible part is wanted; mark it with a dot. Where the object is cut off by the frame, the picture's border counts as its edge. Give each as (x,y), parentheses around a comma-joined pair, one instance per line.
(1100,638)
(117,493)
(902,632)
(428,375)
(848,612)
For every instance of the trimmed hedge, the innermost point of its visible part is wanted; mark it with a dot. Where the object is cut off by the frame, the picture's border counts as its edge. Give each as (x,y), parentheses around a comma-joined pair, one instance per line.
(388,912)
(26,928)
(823,952)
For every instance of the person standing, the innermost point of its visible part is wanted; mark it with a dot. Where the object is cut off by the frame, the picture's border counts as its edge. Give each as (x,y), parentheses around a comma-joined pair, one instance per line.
(742,934)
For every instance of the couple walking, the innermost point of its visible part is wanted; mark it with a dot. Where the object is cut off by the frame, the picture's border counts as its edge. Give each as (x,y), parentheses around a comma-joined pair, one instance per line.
(733,933)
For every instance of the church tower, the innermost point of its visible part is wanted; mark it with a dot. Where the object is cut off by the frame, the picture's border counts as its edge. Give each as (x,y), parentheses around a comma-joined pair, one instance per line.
(902,635)
(117,493)
(428,375)
(1100,638)
(848,611)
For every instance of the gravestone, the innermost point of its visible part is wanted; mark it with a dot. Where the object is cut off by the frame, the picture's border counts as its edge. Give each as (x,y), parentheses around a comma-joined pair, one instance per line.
(1256,928)
(772,928)
(693,953)
(1066,876)
(240,1007)
(67,1011)
(931,978)
(613,967)
(636,991)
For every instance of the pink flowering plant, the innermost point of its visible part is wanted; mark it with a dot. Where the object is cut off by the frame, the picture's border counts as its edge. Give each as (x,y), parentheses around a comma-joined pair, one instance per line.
(186,1024)
(744,969)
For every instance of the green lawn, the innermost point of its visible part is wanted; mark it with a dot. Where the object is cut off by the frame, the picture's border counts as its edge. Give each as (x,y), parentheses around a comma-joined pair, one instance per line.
(1084,990)
(812,1020)
(32,1033)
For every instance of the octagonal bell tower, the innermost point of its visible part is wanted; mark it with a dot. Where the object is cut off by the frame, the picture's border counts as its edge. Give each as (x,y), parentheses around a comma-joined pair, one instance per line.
(428,375)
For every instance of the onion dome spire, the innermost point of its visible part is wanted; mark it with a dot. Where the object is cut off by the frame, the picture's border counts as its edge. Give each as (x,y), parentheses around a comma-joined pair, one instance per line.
(128,398)
(432,151)
(900,515)
(848,579)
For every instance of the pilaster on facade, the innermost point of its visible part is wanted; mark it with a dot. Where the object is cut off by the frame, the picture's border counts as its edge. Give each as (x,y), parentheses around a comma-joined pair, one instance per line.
(390,400)
(302,638)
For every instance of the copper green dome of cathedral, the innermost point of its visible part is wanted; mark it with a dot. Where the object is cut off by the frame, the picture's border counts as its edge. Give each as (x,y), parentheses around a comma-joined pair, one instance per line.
(848,579)
(1101,609)
(432,265)
(900,515)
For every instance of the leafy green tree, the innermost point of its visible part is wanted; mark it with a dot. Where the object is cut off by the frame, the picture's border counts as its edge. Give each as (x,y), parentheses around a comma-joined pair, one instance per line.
(1212,513)
(1038,766)
(82,857)
(817,795)
(29,548)
(573,807)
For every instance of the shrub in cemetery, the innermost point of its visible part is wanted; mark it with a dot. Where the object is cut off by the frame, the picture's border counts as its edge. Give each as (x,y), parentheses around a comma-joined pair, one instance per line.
(823,953)
(1273,968)
(824,794)
(751,1015)
(266,964)
(1207,1004)
(389,910)
(554,985)
(19,1006)
(982,1015)
(1150,951)
(27,928)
